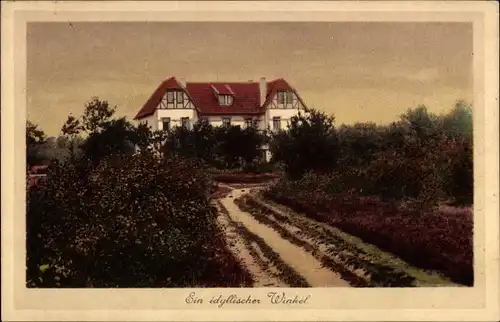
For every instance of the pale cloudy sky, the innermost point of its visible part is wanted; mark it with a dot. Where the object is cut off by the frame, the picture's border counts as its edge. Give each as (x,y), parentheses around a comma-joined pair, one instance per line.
(358,71)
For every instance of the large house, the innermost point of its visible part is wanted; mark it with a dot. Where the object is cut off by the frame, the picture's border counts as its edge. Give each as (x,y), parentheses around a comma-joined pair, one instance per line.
(263,104)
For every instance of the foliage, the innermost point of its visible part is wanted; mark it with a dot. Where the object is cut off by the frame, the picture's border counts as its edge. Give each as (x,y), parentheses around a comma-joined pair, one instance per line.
(422,159)
(223,147)
(130,221)
(115,136)
(428,239)
(359,142)
(388,184)
(71,130)
(35,138)
(458,122)
(309,143)
(97,115)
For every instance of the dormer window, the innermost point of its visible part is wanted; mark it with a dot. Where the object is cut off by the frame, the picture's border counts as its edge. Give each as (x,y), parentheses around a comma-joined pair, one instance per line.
(225,100)
(223,93)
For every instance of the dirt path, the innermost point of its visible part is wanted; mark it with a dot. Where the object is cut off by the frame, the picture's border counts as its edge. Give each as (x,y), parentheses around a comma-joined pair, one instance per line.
(272,260)
(248,255)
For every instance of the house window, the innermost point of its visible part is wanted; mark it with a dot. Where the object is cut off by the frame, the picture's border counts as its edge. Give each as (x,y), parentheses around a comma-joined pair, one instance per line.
(289,97)
(226,121)
(281,97)
(180,97)
(165,123)
(185,122)
(225,100)
(276,123)
(248,122)
(170,97)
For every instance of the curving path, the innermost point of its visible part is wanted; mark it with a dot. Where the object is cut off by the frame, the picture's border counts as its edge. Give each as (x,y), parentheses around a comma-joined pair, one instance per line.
(286,255)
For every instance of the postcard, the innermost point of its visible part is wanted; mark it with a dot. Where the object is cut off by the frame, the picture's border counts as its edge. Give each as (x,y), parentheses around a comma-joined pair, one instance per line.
(250,161)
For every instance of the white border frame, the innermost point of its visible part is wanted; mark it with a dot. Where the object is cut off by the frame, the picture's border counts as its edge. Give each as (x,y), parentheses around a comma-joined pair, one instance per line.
(437,304)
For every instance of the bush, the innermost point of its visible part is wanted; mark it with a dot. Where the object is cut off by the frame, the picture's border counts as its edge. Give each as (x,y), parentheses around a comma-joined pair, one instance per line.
(132,221)
(428,239)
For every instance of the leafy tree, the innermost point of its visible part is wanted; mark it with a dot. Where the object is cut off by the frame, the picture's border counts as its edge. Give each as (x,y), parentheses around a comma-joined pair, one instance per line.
(34,135)
(115,136)
(70,130)
(97,115)
(359,143)
(105,134)
(422,124)
(180,141)
(35,138)
(227,147)
(309,143)
(237,146)
(458,122)
(204,140)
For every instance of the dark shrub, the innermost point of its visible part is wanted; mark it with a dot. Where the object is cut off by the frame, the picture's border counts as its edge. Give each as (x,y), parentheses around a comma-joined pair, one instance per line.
(133,221)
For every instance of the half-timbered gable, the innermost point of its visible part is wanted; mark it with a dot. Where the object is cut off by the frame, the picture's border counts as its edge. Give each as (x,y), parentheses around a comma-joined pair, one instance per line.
(175,99)
(261,104)
(285,99)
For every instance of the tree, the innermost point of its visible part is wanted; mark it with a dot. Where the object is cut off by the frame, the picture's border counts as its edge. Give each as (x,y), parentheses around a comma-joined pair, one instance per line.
(35,138)
(71,129)
(458,122)
(115,136)
(359,143)
(96,115)
(180,141)
(309,143)
(204,140)
(423,124)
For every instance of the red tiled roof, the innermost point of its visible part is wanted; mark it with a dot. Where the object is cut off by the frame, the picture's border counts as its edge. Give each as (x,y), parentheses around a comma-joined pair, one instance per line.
(155,98)
(246,96)
(222,89)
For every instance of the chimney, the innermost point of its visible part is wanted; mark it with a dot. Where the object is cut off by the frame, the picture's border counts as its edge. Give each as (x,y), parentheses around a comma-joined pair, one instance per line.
(182,82)
(262,90)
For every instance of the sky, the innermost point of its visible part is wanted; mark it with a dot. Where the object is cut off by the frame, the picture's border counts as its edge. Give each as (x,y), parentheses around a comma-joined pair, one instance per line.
(358,71)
